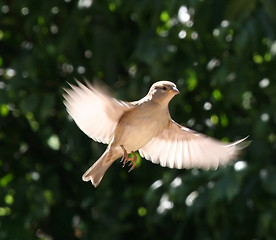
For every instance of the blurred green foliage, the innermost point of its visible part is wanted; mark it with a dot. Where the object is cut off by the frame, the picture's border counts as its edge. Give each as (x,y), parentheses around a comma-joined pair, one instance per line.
(221,54)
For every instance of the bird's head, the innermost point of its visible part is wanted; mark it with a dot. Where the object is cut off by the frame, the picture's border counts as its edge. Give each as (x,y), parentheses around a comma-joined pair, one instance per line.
(162,92)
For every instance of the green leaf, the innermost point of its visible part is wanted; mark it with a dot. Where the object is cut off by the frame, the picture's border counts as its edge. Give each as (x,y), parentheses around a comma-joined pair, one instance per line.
(217,94)
(4,181)
(164,16)
(4,110)
(191,80)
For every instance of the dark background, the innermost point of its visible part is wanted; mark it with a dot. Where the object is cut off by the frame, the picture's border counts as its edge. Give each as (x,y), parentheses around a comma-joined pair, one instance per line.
(221,55)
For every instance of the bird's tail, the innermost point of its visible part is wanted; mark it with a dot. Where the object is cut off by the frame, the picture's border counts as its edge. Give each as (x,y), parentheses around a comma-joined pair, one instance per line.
(96,172)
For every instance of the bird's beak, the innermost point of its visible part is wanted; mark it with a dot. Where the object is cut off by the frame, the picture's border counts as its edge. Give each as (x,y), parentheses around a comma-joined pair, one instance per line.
(174,90)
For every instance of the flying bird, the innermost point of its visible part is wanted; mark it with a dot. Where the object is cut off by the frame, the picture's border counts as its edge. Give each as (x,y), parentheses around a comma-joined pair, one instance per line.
(144,125)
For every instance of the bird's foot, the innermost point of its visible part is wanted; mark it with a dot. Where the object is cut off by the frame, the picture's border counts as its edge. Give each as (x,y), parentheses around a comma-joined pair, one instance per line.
(126,159)
(125,156)
(133,161)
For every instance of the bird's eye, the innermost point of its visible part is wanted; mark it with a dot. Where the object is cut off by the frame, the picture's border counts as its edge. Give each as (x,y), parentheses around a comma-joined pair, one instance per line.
(164,88)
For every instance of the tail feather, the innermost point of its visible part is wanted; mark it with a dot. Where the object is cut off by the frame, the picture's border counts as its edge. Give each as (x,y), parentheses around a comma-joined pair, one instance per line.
(96,172)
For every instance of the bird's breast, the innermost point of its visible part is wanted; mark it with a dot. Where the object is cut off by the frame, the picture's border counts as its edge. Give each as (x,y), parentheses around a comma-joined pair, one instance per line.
(138,126)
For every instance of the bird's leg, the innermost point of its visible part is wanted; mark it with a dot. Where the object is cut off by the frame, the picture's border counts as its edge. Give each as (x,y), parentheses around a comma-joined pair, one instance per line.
(126,159)
(133,161)
(125,156)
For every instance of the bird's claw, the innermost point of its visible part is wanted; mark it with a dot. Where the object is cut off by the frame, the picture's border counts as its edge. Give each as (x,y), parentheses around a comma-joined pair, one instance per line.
(133,161)
(126,159)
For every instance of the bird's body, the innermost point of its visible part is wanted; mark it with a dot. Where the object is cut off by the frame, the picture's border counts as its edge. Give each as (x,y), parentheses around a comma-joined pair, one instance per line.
(139,125)
(144,125)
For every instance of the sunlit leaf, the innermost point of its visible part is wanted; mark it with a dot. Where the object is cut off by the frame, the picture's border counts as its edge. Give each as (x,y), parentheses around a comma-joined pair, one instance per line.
(217,94)
(4,110)
(164,17)
(9,199)
(191,80)
(4,181)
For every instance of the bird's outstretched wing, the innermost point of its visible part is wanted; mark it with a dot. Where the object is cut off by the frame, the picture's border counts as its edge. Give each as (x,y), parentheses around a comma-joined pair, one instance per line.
(179,147)
(94,112)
